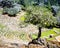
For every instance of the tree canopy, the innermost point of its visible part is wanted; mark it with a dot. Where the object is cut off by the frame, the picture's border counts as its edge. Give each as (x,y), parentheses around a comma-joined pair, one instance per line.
(40,16)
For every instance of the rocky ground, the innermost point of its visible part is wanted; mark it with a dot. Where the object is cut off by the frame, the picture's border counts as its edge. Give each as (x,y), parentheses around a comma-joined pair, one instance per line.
(13,24)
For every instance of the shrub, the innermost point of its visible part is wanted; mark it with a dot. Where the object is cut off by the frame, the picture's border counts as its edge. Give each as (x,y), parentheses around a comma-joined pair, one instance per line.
(12,11)
(17,6)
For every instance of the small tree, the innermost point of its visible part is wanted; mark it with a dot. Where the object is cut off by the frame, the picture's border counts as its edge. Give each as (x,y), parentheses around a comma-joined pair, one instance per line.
(40,16)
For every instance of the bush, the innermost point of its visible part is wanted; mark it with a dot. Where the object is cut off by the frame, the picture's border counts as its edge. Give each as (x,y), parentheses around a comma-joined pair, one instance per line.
(12,11)
(17,6)
(40,16)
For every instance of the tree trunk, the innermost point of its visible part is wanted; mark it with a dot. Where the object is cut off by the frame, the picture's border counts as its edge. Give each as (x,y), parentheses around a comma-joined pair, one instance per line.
(39,33)
(35,41)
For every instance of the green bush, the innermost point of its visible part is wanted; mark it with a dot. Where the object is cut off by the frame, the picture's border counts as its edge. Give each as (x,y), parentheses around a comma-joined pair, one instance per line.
(12,11)
(17,7)
(40,16)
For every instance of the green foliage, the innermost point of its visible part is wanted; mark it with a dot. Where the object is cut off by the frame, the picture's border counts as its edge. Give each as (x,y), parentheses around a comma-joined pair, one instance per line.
(47,3)
(12,11)
(2,29)
(40,16)
(58,18)
(5,10)
(15,1)
(1,26)
(46,34)
(1,10)
(17,7)
(58,13)
(10,7)
(22,18)
(57,30)
(22,2)
(29,2)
